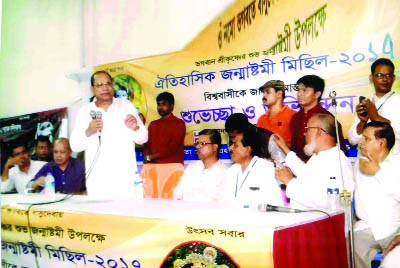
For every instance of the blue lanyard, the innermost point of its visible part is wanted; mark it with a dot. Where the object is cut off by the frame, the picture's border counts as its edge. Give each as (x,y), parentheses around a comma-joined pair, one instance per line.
(245,178)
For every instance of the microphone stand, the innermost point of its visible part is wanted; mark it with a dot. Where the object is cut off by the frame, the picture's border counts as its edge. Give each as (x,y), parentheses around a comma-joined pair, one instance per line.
(345,196)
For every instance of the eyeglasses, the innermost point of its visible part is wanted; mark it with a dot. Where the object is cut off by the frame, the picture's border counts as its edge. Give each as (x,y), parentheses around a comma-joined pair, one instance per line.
(307,128)
(108,84)
(381,75)
(201,143)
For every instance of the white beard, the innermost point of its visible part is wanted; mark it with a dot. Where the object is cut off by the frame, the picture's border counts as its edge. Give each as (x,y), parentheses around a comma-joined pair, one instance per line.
(310,148)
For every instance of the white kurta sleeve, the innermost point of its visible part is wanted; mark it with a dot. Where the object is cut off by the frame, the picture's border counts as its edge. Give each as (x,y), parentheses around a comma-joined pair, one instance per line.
(78,139)
(139,136)
(8,185)
(296,165)
(388,176)
(352,136)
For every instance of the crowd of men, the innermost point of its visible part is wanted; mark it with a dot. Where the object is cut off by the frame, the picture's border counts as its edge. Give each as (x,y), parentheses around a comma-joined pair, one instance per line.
(287,156)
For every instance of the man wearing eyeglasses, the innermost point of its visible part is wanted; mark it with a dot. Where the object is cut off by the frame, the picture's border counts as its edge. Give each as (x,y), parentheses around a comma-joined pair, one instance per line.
(202,179)
(384,106)
(107,130)
(307,183)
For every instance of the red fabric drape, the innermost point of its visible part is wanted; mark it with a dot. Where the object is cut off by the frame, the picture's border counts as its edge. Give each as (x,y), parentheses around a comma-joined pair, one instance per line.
(316,244)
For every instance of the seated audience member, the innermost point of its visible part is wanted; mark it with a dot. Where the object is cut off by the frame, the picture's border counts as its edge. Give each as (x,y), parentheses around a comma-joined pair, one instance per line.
(166,135)
(384,106)
(68,172)
(19,169)
(238,123)
(309,188)
(377,195)
(250,180)
(277,118)
(310,90)
(42,149)
(202,179)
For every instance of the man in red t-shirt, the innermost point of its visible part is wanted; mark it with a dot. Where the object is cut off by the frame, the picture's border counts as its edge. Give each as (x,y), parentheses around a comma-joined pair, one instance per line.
(166,135)
(277,118)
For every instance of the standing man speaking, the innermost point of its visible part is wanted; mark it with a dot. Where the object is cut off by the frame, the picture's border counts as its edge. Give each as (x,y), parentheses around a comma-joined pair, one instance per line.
(107,129)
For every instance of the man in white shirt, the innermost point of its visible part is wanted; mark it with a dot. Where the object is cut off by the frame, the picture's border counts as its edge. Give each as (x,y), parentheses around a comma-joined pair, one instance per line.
(107,130)
(19,170)
(377,195)
(250,180)
(384,105)
(202,179)
(307,183)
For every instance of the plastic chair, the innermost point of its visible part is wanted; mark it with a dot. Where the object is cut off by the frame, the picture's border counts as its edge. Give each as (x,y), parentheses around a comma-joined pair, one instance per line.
(160,180)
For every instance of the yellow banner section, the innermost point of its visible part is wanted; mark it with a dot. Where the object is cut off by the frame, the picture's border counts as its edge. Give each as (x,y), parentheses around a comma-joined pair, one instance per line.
(220,71)
(72,239)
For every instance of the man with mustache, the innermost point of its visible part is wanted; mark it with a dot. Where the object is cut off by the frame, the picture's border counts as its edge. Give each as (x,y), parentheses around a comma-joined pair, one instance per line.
(377,196)
(383,106)
(310,90)
(307,183)
(19,169)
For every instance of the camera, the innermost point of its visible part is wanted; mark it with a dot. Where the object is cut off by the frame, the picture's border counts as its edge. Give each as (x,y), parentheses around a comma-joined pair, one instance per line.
(361,98)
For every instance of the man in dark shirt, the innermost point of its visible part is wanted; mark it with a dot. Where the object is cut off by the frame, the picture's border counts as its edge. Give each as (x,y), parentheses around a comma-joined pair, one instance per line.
(166,135)
(42,149)
(310,90)
(68,172)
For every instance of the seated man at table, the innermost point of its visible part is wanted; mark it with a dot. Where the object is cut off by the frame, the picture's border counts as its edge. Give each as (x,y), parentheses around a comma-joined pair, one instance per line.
(250,180)
(68,172)
(42,149)
(19,169)
(377,195)
(238,123)
(202,179)
(309,188)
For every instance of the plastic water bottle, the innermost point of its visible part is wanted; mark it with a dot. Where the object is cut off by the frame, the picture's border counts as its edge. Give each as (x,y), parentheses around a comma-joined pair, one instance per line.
(333,194)
(138,186)
(49,184)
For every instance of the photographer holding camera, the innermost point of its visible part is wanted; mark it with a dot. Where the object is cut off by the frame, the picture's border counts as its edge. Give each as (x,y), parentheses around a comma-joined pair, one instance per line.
(384,106)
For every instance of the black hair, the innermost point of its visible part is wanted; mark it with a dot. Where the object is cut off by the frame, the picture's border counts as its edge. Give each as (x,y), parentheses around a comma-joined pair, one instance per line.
(167,97)
(215,137)
(99,72)
(42,139)
(381,61)
(383,130)
(252,139)
(15,144)
(238,122)
(313,81)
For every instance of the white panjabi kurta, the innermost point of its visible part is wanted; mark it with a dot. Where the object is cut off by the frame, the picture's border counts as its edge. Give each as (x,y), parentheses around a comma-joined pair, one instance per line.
(111,174)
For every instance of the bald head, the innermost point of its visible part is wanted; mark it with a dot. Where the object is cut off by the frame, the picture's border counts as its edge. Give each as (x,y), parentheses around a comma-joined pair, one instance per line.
(64,142)
(326,122)
(61,152)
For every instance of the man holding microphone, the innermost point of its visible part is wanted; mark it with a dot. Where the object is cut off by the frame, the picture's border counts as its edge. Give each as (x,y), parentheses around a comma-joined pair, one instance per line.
(107,129)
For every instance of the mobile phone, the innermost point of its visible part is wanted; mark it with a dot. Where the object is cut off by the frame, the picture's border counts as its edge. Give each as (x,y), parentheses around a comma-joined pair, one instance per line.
(360,99)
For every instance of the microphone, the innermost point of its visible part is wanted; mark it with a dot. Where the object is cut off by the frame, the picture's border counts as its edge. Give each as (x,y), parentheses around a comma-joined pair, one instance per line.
(96,115)
(266,207)
(332,95)
(93,114)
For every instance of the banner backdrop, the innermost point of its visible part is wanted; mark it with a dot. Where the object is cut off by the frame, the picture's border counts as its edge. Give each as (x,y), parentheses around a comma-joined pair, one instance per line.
(61,240)
(220,71)
(26,128)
